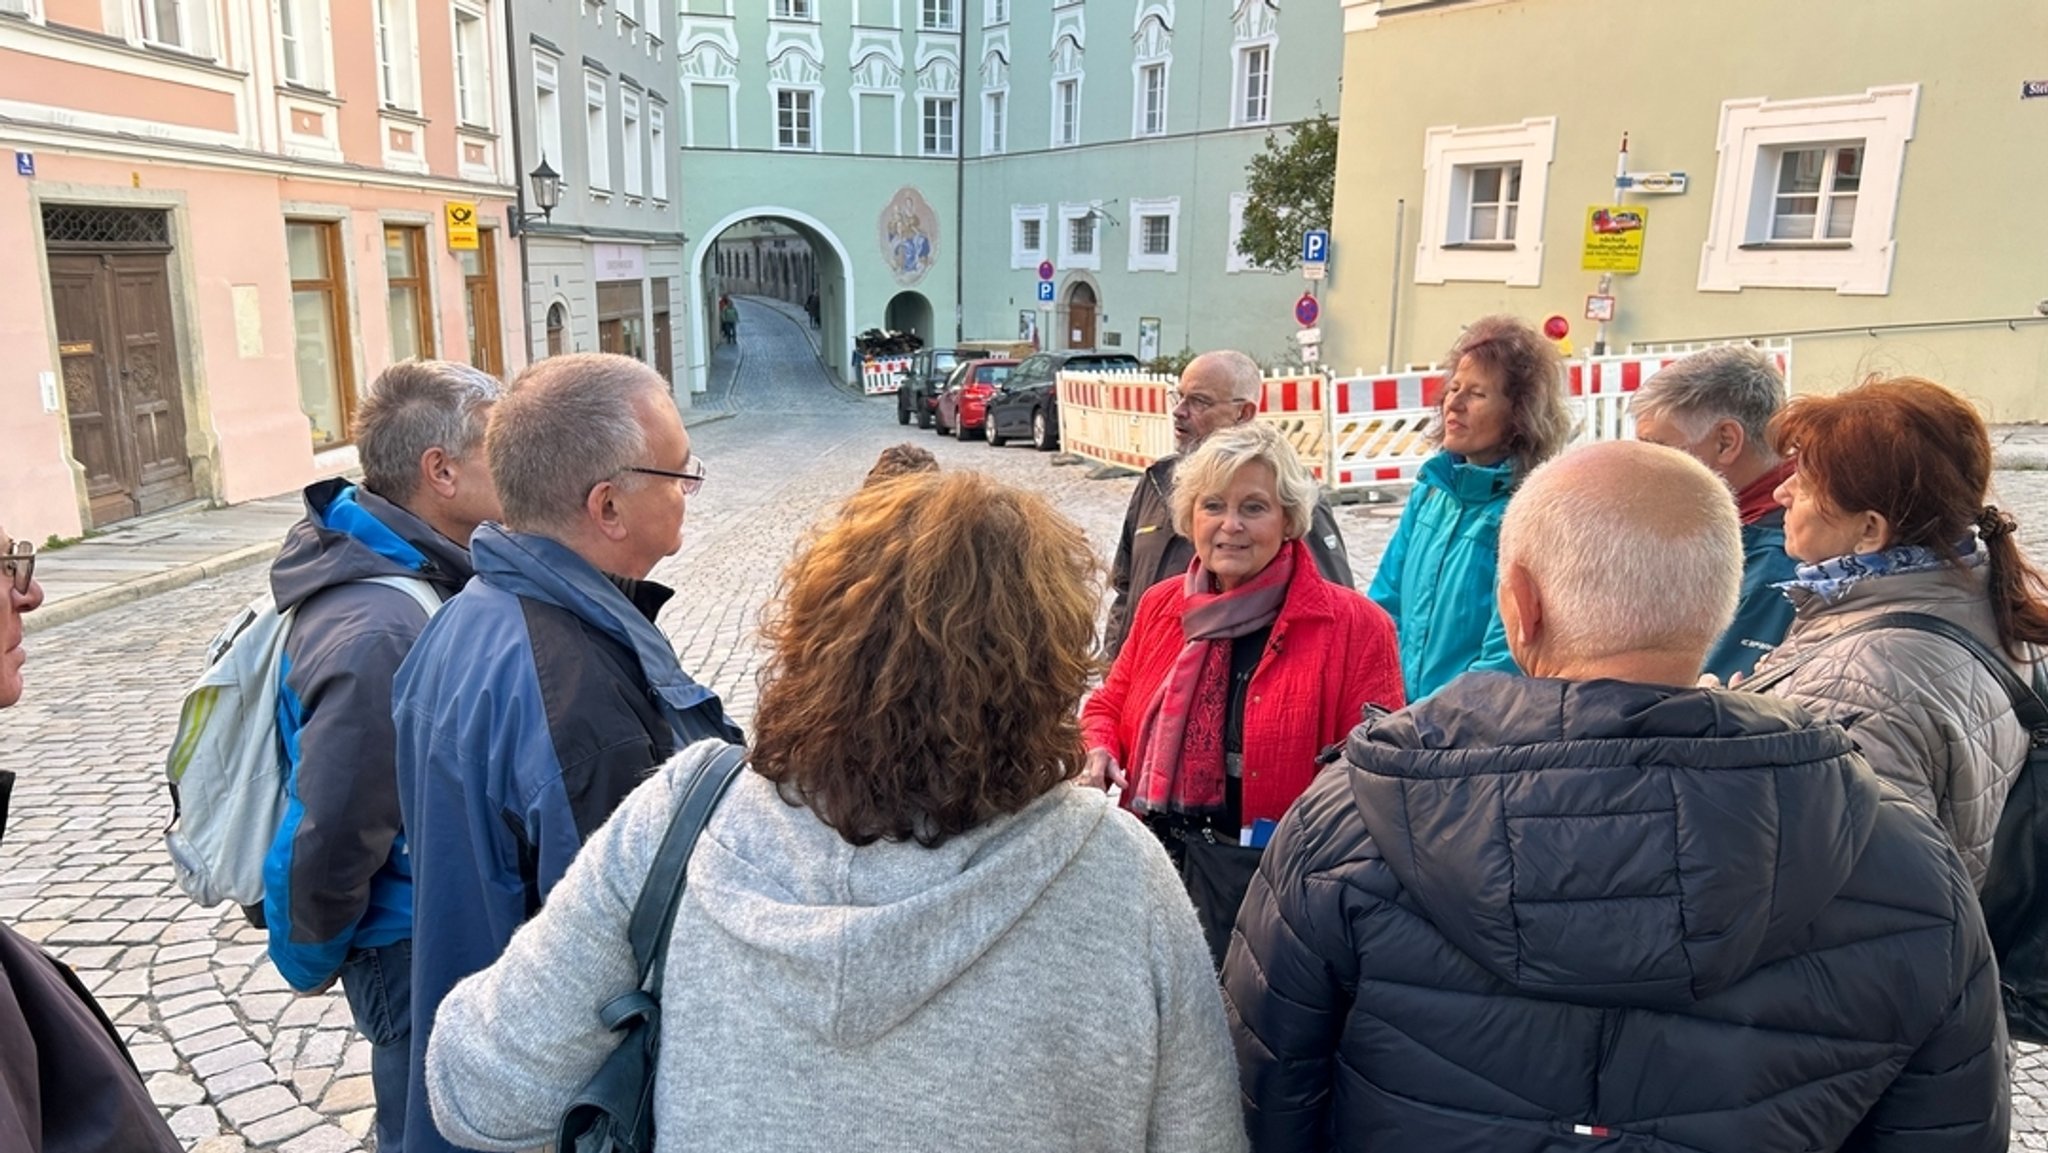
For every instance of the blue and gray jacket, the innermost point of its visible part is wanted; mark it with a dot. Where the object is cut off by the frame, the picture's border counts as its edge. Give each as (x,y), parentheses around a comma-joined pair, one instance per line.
(337,877)
(1764,612)
(530,707)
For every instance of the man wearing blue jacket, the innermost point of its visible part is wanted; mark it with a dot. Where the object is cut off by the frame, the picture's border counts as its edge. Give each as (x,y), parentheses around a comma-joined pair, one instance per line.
(541,696)
(338,880)
(1716,407)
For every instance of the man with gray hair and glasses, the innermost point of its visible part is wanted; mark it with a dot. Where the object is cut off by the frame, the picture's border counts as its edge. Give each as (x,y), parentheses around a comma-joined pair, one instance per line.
(1716,407)
(544,693)
(1217,391)
(338,886)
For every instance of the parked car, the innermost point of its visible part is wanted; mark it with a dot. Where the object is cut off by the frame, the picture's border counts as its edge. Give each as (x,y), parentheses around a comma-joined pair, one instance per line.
(1027,404)
(918,397)
(964,403)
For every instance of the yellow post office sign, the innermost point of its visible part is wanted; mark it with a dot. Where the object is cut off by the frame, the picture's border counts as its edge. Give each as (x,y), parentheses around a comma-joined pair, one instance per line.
(1614,238)
(461,224)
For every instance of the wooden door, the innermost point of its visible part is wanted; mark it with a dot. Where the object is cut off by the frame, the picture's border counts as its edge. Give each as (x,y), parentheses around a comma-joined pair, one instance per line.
(480,283)
(1080,324)
(122,392)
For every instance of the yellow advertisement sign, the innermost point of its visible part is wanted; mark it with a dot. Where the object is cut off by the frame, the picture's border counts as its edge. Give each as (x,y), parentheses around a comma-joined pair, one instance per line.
(1614,238)
(461,224)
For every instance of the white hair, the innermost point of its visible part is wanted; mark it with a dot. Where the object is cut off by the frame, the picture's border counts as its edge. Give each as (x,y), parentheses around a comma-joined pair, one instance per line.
(1209,470)
(1728,382)
(1241,372)
(1632,547)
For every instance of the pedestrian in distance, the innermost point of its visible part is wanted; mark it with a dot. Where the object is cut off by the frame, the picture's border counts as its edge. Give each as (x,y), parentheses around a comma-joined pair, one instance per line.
(338,890)
(1716,407)
(1502,413)
(811,308)
(1599,907)
(887,912)
(1217,390)
(1237,673)
(543,694)
(728,320)
(1888,510)
(67,1082)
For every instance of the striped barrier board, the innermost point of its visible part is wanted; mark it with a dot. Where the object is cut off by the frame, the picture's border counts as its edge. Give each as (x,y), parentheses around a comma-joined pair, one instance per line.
(1379,428)
(1294,405)
(1116,419)
(883,375)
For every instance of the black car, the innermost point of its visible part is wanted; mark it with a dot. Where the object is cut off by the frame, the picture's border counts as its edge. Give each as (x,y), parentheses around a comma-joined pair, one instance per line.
(1027,406)
(919,395)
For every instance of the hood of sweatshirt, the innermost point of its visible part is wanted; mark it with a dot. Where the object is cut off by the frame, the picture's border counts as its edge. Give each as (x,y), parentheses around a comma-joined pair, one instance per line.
(851,941)
(351,534)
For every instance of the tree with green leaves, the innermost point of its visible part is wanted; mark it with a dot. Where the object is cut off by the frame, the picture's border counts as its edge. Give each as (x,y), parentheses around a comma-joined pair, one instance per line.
(1289,190)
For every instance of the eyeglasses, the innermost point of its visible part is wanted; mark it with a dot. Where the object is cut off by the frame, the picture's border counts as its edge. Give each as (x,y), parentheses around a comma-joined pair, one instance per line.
(19,563)
(692,475)
(1194,400)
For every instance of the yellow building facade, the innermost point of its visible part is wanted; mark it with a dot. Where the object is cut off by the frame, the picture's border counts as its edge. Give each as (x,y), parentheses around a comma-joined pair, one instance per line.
(1864,179)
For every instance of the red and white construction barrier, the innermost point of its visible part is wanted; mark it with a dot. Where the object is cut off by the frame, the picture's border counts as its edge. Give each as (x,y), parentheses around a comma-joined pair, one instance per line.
(884,375)
(1115,418)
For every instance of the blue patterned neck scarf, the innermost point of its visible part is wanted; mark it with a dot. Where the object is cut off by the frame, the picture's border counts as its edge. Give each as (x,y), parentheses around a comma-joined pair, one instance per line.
(1831,580)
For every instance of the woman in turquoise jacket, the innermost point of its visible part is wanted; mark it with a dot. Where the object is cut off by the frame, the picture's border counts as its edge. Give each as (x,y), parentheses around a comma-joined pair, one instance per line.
(1502,413)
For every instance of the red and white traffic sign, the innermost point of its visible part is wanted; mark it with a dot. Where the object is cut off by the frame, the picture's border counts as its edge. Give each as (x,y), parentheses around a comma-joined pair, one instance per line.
(1307,310)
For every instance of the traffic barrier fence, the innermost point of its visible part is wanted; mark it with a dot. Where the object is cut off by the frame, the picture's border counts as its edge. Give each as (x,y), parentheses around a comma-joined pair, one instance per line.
(880,376)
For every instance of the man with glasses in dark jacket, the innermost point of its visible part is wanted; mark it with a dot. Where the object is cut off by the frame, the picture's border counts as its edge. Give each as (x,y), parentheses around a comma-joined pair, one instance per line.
(1599,907)
(543,693)
(67,1084)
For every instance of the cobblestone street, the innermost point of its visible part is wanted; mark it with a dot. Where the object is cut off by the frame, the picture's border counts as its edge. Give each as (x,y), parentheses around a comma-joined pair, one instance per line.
(234,1058)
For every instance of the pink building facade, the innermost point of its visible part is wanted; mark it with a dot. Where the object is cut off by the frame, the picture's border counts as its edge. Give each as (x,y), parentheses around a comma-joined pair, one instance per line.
(219,220)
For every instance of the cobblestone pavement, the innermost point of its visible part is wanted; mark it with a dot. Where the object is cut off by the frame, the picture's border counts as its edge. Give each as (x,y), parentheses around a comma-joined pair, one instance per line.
(236,1061)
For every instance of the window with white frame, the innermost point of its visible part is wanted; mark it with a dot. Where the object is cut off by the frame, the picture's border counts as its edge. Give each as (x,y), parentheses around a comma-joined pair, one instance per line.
(629,11)
(180,24)
(1150,115)
(1066,112)
(1483,192)
(1254,85)
(18,7)
(301,42)
(1080,236)
(629,141)
(1806,193)
(1816,196)
(794,10)
(794,120)
(941,135)
(996,12)
(396,85)
(1233,260)
(547,108)
(995,122)
(472,68)
(1027,235)
(657,149)
(1155,235)
(597,136)
(939,16)
(1488,205)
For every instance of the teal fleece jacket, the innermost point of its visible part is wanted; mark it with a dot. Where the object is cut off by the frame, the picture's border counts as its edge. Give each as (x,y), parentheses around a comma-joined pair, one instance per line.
(1436,578)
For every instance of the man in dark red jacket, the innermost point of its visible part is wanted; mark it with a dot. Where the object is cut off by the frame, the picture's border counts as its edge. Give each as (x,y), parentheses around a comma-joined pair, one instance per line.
(66,1083)
(1599,908)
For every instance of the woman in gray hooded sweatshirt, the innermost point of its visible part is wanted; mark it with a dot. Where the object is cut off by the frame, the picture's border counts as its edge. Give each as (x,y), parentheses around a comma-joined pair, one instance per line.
(904,927)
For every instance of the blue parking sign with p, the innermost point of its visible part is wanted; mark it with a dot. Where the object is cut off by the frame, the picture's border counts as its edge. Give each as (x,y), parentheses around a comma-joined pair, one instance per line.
(1315,246)
(1045,292)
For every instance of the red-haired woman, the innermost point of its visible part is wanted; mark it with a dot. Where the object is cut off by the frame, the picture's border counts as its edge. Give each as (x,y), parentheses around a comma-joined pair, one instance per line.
(1887,511)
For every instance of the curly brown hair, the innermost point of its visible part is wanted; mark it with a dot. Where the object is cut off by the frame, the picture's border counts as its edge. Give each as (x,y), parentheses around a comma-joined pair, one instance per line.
(927,653)
(1531,372)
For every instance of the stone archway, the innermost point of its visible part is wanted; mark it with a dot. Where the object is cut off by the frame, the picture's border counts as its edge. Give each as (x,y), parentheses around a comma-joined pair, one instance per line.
(910,312)
(832,267)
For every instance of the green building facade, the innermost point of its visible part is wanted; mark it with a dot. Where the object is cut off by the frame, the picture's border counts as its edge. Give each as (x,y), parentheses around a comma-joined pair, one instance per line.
(936,152)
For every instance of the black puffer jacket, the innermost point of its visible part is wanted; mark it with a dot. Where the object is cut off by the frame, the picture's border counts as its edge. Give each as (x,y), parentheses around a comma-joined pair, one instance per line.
(1541,915)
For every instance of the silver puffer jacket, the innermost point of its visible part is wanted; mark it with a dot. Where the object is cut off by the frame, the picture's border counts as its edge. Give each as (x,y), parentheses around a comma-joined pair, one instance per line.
(1926,715)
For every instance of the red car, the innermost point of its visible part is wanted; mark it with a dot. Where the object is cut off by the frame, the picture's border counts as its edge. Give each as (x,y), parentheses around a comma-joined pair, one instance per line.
(963,405)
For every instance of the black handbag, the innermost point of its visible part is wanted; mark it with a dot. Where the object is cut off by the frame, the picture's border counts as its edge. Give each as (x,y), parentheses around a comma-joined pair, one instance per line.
(614,1112)
(1217,873)
(2014,899)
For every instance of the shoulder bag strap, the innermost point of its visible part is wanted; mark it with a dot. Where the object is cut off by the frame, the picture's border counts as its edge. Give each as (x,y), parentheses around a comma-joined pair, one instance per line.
(2025,701)
(1768,680)
(654,914)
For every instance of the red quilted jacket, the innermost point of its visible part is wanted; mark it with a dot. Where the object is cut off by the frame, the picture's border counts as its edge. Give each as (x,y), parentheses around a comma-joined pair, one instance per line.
(1331,652)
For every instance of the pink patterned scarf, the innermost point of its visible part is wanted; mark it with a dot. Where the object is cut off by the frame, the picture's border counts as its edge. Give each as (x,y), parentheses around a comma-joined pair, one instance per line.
(1180,743)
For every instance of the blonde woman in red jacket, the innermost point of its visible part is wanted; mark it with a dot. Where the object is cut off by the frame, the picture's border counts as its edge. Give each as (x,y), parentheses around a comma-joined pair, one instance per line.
(1236,674)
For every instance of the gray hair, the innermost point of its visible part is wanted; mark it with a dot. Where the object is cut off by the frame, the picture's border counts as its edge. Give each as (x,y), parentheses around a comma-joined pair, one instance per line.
(1737,382)
(1632,547)
(1245,377)
(567,423)
(416,405)
(1209,470)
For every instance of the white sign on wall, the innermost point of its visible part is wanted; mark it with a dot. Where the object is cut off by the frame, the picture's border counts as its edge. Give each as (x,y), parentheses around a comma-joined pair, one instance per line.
(619,261)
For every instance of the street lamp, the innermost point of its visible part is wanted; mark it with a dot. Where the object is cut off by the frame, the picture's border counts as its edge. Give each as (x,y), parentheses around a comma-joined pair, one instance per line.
(547,192)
